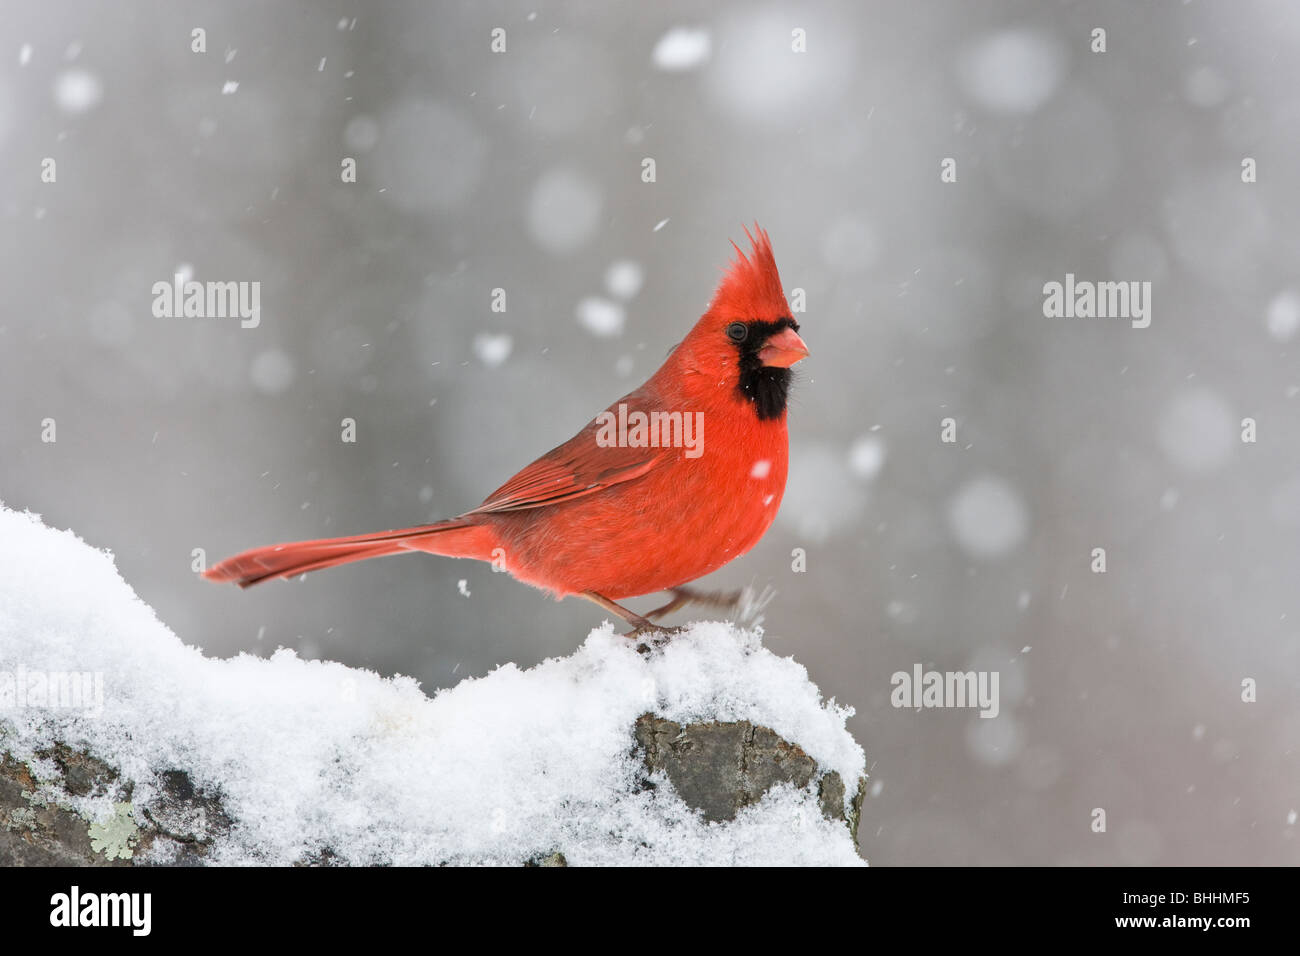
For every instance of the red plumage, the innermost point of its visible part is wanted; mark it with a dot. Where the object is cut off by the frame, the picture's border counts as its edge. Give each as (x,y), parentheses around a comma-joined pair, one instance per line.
(617,521)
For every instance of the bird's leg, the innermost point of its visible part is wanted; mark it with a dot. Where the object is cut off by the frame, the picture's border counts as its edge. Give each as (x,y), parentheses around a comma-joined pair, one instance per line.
(679,600)
(682,596)
(640,625)
(636,620)
(745,606)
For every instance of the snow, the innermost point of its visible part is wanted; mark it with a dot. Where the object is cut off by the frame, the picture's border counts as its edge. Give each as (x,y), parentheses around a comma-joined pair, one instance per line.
(867,457)
(77,91)
(601,316)
(1283,315)
(309,755)
(682,49)
(822,497)
(493,349)
(987,517)
(1012,71)
(563,210)
(757,76)
(623,278)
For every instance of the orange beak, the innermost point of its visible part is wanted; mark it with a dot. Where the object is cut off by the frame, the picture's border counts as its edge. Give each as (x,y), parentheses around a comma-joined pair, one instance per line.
(783,349)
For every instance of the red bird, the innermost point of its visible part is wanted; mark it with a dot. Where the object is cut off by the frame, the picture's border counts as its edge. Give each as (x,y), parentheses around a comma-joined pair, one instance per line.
(667,485)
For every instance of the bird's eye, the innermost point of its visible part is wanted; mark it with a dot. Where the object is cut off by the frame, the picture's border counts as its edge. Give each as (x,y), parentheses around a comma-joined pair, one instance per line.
(737,331)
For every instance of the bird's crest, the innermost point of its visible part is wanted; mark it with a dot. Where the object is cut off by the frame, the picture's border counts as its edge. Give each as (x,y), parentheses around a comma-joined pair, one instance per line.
(751,287)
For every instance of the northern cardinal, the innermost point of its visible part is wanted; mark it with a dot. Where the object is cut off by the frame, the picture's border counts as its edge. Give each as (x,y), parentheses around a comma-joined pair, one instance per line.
(615,511)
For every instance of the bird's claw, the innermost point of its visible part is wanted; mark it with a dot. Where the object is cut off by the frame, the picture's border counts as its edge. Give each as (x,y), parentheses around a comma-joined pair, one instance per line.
(650,636)
(750,605)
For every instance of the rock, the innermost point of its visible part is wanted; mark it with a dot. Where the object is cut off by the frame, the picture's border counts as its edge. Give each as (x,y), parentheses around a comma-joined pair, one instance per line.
(36,832)
(40,827)
(719,768)
(716,768)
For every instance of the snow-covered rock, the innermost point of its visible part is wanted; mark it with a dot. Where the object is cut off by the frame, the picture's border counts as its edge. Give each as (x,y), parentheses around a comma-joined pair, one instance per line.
(124,743)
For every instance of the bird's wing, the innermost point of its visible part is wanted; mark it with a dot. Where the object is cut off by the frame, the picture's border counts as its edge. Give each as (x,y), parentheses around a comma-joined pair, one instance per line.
(579,467)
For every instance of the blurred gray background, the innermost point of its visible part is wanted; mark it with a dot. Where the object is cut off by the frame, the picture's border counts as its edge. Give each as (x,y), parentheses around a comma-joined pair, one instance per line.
(522,170)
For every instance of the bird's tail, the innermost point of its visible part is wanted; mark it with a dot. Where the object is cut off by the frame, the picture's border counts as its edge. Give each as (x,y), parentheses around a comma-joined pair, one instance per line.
(456,538)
